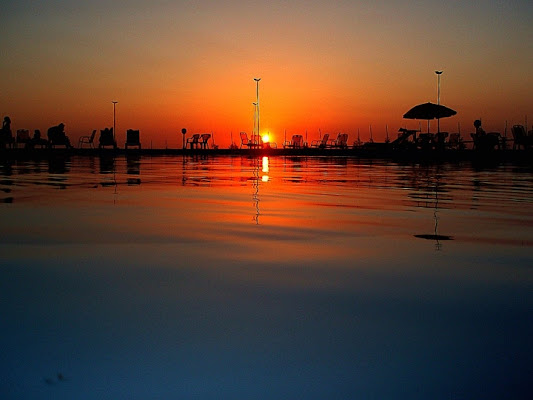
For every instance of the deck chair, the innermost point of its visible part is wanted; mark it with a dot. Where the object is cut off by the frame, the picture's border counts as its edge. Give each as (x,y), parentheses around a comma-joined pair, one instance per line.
(193,141)
(23,136)
(244,140)
(107,138)
(253,143)
(204,140)
(322,143)
(403,137)
(341,142)
(455,142)
(520,138)
(297,142)
(89,140)
(132,139)
(425,141)
(37,140)
(486,141)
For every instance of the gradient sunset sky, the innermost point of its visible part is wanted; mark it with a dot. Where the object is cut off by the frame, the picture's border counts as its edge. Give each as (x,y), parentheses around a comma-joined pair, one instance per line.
(329,65)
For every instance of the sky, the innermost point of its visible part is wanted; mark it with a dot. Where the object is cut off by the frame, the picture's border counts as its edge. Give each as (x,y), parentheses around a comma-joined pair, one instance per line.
(325,66)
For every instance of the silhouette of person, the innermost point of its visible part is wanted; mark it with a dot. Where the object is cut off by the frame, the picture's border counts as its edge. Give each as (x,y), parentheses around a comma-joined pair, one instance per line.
(6,126)
(5,133)
(56,134)
(479,129)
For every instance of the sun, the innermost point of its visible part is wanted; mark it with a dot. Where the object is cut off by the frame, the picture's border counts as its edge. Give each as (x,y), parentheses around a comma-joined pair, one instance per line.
(266,138)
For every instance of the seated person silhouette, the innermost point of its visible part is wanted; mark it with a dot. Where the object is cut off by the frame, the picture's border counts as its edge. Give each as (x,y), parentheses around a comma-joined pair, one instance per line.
(57,136)
(483,140)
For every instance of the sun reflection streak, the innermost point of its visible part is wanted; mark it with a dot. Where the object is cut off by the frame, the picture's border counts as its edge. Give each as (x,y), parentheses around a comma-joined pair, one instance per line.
(265,164)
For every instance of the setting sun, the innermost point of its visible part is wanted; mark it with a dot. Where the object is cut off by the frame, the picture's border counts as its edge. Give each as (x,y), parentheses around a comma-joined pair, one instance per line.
(266,138)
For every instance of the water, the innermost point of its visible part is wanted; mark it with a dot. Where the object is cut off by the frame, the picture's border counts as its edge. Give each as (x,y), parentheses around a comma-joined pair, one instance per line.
(269,278)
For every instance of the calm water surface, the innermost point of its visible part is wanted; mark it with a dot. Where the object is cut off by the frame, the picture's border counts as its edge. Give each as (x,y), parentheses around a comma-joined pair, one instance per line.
(279,278)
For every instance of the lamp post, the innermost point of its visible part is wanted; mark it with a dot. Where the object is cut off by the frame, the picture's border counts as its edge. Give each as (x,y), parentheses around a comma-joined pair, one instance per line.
(439,73)
(183,132)
(114,128)
(257,101)
(255,131)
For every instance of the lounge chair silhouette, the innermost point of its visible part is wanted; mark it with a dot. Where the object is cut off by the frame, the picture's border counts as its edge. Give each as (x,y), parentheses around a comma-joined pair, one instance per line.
(297,142)
(341,142)
(132,139)
(37,140)
(254,142)
(204,143)
(322,143)
(107,138)
(455,142)
(23,136)
(520,138)
(193,141)
(89,140)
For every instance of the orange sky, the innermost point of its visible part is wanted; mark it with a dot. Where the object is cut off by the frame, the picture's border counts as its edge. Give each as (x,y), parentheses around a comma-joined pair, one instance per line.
(325,66)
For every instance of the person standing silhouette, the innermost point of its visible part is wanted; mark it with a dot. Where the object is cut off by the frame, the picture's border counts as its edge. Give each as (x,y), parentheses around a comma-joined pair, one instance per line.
(5,133)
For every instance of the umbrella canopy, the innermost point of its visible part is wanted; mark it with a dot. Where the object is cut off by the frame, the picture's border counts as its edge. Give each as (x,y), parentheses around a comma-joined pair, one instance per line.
(429,111)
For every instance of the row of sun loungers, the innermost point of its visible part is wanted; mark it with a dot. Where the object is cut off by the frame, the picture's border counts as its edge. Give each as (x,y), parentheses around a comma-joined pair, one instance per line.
(56,137)
(407,139)
(108,139)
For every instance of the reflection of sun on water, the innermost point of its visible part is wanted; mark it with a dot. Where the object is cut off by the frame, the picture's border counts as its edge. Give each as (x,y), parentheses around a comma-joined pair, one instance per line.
(265,169)
(265,164)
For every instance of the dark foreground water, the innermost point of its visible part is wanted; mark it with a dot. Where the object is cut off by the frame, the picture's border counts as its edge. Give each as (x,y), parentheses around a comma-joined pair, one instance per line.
(280,278)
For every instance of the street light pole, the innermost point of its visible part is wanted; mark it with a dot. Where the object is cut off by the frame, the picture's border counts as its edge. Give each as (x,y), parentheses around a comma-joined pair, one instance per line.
(255,130)
(114,127)
(439,73)
(257,101)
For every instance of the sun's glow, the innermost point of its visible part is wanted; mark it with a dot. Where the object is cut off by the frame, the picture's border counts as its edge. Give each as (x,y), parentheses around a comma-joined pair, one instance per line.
(266,138)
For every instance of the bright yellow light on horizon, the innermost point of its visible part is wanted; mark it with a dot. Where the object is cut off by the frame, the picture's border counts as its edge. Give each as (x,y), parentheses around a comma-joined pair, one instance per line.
(266,138)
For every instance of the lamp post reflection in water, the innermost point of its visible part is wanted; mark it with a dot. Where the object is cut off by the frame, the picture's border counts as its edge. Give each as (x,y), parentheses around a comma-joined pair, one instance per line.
(256,181)
(255,185)
(435,235)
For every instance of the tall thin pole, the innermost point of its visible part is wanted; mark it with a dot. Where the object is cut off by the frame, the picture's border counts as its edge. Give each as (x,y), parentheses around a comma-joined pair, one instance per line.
(439,73)
(257,101)
(254,131)
(114,127)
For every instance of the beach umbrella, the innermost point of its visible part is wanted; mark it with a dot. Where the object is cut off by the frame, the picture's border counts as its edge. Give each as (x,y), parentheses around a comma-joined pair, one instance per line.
(429,111)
